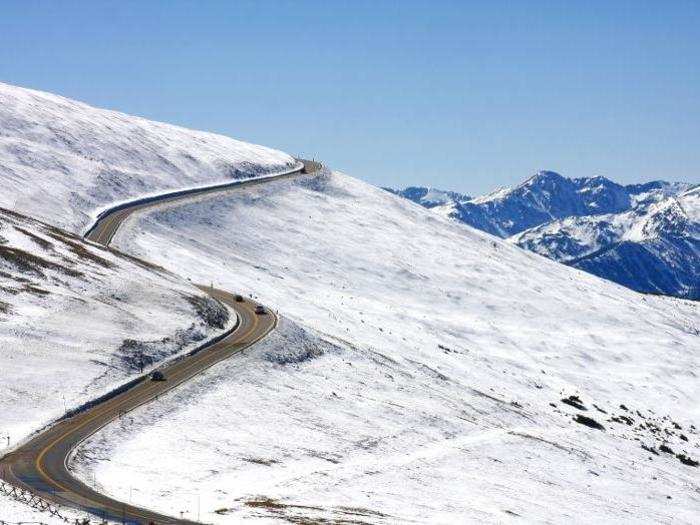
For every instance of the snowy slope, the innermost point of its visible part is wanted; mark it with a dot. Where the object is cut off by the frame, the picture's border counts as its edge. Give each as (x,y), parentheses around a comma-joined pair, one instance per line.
(76,320)
(575,237)
(418,376)
(61,160)
(13,512)
(651,249)
(659,252)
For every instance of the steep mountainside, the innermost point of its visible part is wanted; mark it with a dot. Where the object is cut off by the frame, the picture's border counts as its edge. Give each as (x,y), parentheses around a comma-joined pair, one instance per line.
(77,319)
(659,253)
(424,371)
(637,235)
(62,160)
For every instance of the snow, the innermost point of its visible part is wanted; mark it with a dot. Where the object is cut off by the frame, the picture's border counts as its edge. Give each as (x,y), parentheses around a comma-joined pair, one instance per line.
(643,195)
(61,160)
(417,374)
(434,196)
(67,309)
(573,237)
(13,512)
(75,318)
(691,204)
(412,377)
(498,194)
(666,216)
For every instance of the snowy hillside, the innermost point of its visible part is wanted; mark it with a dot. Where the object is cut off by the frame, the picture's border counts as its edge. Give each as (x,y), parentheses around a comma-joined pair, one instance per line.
(659,253)
(61,160)
(14,512)
(573,237)
(653,248)
(593,224)
(76,320)
(424,372)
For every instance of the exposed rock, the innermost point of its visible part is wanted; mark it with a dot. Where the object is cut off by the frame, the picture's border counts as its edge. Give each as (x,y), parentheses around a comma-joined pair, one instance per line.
(589,422)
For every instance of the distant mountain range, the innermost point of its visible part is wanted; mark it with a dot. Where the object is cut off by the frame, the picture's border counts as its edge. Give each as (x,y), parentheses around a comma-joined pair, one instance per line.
(643,236)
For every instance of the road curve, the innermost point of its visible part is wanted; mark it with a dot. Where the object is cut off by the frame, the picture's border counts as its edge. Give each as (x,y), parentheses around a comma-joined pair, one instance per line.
(108,222)
(40,465)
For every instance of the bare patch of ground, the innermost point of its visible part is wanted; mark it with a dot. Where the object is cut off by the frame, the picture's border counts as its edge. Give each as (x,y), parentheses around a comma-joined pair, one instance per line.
(81,250)
(27,262)
(261,461)
(5,308)
(211,311)
(312,514)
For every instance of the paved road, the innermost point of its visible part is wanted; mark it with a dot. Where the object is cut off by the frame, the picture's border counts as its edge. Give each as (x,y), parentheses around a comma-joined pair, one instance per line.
(40,464)
(106,227)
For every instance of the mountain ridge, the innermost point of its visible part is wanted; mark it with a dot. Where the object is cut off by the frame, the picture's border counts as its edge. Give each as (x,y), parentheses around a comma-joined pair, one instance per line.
(595,224)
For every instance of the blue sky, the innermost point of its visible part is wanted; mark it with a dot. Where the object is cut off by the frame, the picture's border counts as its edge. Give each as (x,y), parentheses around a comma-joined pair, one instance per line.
(459,95)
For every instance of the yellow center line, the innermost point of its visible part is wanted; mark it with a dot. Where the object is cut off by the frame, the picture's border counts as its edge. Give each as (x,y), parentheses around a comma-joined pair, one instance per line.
(107,408)
(40,458)
(104,235)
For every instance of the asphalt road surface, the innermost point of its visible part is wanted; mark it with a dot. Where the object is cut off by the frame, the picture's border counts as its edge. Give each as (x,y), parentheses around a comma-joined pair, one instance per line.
(106,227)
(40,465)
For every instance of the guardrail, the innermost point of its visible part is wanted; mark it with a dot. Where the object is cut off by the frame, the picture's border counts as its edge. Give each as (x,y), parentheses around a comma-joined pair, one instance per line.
(36,502)
(33,501)
(301,167)
(3,522)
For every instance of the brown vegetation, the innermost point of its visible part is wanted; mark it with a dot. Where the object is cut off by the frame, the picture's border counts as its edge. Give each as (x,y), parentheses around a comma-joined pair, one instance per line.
(46,245)
(33,264)
(82,251)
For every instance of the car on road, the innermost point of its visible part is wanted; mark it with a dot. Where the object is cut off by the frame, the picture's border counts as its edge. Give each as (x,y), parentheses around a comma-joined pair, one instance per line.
(238,298)
(157,376)
(260,310)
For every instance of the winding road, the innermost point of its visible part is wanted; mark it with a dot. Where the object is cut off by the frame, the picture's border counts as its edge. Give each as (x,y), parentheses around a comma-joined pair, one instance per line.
(40,465)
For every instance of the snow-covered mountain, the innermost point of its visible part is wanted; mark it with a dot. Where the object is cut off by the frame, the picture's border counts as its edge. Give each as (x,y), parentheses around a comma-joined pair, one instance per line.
(430,197)
(74,317)
(77,320)
(660,253)
(62,160)
(422,371)
(640,235)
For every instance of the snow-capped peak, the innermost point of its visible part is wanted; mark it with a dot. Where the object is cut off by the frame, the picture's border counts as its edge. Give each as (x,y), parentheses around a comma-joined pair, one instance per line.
(574,219)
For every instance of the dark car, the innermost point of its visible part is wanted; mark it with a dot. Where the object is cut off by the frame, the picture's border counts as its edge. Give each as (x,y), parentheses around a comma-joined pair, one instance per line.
(157,376)
(260,310)
(238,298)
